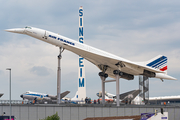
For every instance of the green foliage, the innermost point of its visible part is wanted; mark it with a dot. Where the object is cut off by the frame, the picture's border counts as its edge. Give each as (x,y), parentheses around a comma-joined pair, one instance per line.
(53,117)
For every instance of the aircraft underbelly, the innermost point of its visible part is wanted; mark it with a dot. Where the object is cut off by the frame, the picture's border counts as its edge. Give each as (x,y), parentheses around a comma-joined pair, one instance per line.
(110,73)
(102,60)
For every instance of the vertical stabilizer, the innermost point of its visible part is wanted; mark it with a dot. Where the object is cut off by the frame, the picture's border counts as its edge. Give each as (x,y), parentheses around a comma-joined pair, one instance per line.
(81,69)
(159,62)
(75,97)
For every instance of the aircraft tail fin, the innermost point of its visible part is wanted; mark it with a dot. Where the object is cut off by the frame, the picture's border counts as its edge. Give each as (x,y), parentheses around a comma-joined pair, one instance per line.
(75,97)
(55,97)
(159,62)
(129,95)
(64,94)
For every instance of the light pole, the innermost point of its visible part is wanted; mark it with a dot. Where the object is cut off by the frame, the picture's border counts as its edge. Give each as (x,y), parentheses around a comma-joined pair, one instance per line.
(9,89)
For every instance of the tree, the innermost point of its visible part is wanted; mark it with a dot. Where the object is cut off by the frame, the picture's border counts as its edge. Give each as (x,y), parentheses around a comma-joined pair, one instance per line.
(53,117)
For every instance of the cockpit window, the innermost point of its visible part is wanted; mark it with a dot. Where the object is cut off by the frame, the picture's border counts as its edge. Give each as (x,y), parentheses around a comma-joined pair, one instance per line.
(28,27)
(27,92)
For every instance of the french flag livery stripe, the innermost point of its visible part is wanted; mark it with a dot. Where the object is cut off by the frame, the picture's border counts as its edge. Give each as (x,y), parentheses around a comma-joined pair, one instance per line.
(159,63)
(164,68)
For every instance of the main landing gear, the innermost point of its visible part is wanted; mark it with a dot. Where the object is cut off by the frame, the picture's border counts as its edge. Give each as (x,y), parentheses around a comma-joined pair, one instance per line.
(103,77)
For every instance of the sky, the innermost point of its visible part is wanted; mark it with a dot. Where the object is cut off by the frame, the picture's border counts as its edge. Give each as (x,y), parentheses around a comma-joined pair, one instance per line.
(135,30)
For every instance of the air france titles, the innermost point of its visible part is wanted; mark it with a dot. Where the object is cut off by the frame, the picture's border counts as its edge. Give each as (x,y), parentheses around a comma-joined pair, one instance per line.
(65,41)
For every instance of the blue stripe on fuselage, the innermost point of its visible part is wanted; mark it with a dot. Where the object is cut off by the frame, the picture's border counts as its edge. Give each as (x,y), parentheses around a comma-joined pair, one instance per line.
(36,95)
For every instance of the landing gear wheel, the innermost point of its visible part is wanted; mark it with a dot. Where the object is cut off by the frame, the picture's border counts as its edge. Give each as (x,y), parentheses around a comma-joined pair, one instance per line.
(105,75)
(120,73)
(101,74)
(115,72)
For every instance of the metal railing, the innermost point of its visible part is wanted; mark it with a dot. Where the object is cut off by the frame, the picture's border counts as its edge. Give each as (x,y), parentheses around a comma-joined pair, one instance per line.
(13,102)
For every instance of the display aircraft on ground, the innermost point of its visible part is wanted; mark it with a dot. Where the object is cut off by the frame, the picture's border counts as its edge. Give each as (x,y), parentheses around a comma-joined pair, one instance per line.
(126,97)
(159,100)
(74,100)
(108,63)
(29,95)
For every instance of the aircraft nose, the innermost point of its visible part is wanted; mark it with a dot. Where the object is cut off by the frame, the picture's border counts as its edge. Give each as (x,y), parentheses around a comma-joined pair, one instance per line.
(21,96)
(16,30)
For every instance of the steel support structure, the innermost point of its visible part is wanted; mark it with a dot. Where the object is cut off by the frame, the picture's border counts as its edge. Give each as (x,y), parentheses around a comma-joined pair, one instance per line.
(103,89)
(103,77)
(117,89)
(144,88)
(59,76)
(10,92)
(117,75)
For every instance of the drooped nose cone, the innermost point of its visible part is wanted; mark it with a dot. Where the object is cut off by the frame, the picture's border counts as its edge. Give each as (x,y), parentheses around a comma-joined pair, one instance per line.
(16,30)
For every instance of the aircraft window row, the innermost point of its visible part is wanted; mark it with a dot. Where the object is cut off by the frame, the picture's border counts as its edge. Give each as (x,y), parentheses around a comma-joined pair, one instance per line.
(38,95)
(28,27)
(27,92)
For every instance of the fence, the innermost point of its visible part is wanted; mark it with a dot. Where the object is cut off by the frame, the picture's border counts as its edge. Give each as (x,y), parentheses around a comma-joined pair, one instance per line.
(80,112)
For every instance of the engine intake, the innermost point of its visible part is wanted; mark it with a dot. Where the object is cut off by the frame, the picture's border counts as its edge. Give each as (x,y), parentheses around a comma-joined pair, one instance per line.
(149,73)
(126,76)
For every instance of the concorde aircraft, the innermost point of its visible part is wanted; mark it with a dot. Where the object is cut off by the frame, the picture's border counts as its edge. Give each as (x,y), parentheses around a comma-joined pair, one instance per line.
(109,64)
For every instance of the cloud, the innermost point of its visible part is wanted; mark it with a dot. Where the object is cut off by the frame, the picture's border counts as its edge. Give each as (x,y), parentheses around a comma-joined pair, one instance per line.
(129,29)
(40,71)
(1,72)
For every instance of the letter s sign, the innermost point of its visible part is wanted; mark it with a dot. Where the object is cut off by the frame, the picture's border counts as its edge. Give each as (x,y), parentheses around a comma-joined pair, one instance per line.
(80,12)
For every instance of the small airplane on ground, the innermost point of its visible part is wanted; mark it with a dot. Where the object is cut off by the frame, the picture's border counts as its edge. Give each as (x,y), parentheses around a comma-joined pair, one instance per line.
(126,97)
(162,100)
(29,95)
(73,100)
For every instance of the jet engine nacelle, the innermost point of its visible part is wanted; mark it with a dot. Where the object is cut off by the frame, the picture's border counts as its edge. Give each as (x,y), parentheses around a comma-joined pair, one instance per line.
(126,76)
(149,73)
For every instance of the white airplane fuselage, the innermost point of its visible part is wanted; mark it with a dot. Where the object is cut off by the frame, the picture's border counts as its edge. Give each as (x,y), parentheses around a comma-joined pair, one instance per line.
(29,95)
(94,55)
